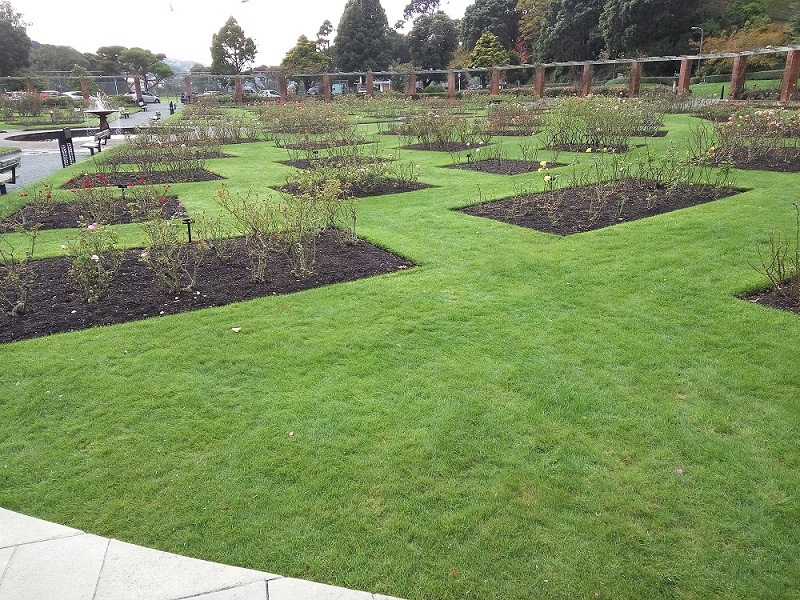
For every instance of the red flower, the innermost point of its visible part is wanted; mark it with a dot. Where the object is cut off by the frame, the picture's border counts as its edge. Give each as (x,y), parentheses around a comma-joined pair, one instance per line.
(23,195)
(71,180)
(163,200)
(49,196)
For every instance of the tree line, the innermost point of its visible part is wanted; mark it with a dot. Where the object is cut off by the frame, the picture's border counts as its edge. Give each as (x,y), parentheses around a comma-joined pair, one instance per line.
(491,32)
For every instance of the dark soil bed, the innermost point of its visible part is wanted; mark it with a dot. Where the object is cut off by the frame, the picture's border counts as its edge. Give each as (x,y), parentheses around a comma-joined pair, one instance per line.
(139,178)
(54,307)
(787,161)
(65,215)
(445,147)
(311,145)
(589,148)
(776,298)
(127,159)
(496,166)
(331,161)
(384,188)
(574,210)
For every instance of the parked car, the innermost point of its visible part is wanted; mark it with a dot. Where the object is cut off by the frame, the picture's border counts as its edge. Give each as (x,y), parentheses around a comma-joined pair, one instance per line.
(47,93)
(269,94)
(147,98)
(313,91)
(74,95)
(211,93)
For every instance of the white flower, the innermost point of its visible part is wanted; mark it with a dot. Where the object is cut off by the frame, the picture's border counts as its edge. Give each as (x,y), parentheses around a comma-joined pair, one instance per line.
(95,258)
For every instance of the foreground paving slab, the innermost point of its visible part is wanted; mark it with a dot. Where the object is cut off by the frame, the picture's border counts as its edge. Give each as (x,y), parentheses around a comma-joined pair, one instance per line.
(42,561)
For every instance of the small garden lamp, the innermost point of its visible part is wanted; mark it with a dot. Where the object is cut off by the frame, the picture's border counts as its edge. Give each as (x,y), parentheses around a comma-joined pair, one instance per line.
(700,29)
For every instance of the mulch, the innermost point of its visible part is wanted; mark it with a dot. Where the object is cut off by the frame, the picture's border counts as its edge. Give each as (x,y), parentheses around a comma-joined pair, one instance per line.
(575,210)
(54,306)
(63,215)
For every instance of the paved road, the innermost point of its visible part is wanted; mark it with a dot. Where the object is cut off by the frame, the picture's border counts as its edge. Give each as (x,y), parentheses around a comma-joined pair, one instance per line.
(41,158)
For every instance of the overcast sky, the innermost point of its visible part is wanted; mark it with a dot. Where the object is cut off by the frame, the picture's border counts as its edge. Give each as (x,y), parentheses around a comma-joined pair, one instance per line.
(182,29)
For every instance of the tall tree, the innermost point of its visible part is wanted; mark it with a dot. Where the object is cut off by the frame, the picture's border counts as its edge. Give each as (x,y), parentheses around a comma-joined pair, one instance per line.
(572,31)
(15,45)
(433,40)
(398,47)
(417,7)
(305,57)
(9,14)
(628,26)
(150,67)
(498,16)
(325,31)
(56,58)
(231,50)
(488,51)
(108,59)
(360,43)
(794,21)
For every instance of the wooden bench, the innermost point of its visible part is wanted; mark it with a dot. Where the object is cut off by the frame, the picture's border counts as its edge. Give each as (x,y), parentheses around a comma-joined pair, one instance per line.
(101,137)
(8,172)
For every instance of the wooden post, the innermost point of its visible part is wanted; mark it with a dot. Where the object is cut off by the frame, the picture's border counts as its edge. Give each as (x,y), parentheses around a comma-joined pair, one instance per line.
(540,81)
(85,88)
(31,87)
(187,85)
(238,94)
(685,77)
(370,84)
(738,76)
(451,84)
(326,87)
(495,89)
(636,79)
(790,74)
(283,88)
(411,84)
(586,81)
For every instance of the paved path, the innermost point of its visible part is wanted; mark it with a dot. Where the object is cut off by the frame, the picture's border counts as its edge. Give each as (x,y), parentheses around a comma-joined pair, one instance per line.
(42,158)
(45,561)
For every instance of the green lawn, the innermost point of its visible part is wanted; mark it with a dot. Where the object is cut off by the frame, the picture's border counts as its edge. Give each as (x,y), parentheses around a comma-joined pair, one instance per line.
(521,416)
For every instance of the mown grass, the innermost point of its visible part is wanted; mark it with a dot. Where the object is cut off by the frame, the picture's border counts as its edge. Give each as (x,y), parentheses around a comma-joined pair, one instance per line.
(521,416)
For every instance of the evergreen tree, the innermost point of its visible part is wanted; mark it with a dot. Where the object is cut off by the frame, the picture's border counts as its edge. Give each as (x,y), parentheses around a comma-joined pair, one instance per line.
(305,57)
(629,29)
(498,16)
(231,51)
(488,51)
(433,40)
(15,45)
(360,43)
(570,31)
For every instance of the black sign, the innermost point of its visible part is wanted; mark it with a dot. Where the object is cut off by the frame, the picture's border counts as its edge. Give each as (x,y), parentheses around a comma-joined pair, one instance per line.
(66,147)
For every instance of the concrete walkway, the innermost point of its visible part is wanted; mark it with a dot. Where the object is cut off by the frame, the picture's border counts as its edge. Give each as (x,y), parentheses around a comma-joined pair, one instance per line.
(41,158)
(45,561)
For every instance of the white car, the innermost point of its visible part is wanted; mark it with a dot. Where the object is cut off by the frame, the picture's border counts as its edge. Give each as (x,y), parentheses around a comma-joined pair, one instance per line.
(74,95)
(269,94)
(146,98)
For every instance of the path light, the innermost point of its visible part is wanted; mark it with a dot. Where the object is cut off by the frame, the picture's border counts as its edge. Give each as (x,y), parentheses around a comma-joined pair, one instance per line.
(188,222)
(700,29)
(122,187)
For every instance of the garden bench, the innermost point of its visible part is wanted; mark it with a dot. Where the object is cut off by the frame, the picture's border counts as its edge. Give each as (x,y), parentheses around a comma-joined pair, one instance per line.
(101,137)
(124,113)
(8,172)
